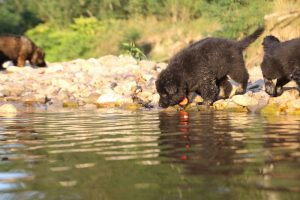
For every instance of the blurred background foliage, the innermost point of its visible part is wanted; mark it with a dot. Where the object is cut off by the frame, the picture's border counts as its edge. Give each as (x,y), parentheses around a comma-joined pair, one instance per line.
(69,29)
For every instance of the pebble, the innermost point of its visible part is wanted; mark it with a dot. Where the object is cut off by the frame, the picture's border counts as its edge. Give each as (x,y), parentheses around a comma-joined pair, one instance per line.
(121,81)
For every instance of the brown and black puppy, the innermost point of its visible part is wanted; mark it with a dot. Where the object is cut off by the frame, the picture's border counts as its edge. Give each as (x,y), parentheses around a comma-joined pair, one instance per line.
(18,49)
(203,67)
(281,62)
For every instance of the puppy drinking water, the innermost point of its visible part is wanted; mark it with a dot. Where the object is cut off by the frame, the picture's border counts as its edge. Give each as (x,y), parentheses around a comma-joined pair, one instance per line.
(281,62)
(204,67)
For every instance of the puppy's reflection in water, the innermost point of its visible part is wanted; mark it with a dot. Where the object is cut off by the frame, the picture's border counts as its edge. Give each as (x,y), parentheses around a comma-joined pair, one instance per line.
(203,142)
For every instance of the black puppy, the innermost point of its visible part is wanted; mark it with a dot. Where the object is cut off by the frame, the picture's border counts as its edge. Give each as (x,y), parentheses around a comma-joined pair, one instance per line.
(281,62)
(204,67)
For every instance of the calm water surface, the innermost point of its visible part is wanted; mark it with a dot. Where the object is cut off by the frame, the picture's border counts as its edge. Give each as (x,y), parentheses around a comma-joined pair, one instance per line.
(149,155)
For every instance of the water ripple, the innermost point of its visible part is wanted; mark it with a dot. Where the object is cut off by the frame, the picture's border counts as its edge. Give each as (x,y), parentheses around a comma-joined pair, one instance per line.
(179,151)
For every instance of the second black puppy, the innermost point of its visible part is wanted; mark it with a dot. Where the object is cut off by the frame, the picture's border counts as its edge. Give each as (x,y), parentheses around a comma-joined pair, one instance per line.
(282,62)
(204,67)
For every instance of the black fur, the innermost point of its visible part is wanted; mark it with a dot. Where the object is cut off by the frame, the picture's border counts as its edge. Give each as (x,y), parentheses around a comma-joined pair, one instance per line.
(204,67)
(281,62)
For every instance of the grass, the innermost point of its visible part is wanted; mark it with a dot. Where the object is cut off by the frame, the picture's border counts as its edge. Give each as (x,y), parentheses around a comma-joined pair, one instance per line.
(161,37)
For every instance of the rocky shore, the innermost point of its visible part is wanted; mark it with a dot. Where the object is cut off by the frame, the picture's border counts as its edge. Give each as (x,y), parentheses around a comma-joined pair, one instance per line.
(118,82)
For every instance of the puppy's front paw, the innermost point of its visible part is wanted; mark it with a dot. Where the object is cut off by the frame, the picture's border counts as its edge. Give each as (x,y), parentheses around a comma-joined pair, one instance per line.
(271,92)
(270,88)
(207,103)
(240,91)
(279,91)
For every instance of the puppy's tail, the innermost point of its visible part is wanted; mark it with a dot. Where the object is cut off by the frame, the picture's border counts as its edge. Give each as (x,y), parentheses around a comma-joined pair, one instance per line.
(245,42)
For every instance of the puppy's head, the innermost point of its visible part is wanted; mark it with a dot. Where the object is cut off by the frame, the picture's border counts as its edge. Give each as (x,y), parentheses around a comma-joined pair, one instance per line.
(169,88)
(38,58)
(270,40)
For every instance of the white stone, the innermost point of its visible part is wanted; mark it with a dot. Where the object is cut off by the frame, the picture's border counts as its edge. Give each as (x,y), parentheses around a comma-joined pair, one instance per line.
(110,98)
(245,100)
(154,98)
(147,64)
(8,108)
(54,69)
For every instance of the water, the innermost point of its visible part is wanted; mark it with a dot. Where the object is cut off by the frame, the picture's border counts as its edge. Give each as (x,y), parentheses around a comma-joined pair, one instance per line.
(149,155)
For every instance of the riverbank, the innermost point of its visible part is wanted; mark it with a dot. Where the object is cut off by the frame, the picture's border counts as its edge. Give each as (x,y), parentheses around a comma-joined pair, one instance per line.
(120,82)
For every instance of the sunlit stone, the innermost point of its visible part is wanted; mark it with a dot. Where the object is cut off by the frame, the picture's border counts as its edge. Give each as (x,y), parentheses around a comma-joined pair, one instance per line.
(68,183)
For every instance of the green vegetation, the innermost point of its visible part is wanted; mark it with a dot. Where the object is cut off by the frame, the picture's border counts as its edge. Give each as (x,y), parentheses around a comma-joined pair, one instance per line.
(68,29)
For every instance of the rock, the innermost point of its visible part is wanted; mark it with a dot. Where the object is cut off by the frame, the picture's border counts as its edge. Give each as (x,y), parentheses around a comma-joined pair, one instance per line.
(54,69)
(124,69)
(115,81)
(131,106)
(127,87)
(198,99)
(262,98)
(12,98)
(293,112)
(191,107)
(109,98)
(70,104)
(294,104)
(13,69)
(220,104)
(160,66)
(172,108)
(147,77)
(154,99)
(63,95)
(125,60)
(144,95)
(92,98)
(8,110)
(107,105)
(62,83)
(50,90)
(114,61)
(33,99)
(233,107)
(285,97)
(5,92)
(256,75)
(147,64)
(270,109)
(16,91)
(75,69)
(90,106)
(245,100)
(97,71)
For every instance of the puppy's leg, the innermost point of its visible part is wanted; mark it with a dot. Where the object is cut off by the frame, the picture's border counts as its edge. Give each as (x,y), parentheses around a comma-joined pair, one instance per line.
(225,88)
(241,76)
(270,87)
(296,77)
(279,85)
(15,63)
(208,90)
(1,65)
(21,61)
